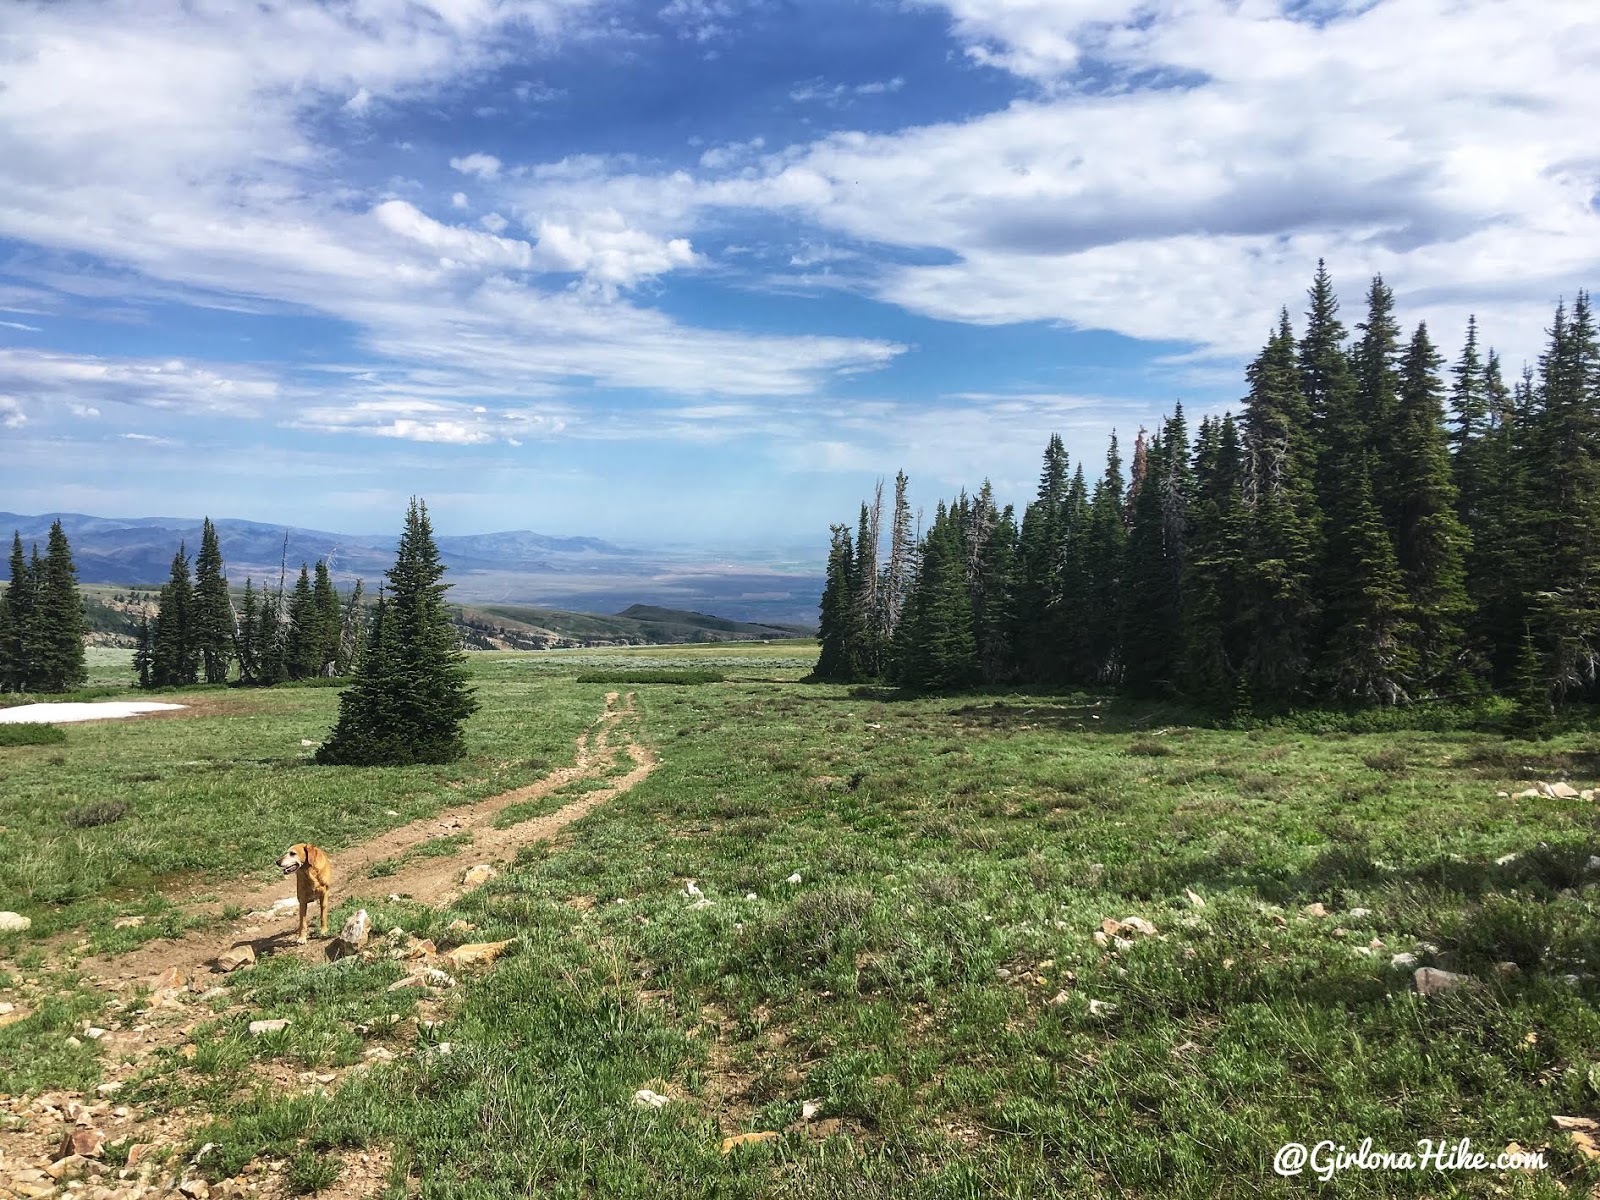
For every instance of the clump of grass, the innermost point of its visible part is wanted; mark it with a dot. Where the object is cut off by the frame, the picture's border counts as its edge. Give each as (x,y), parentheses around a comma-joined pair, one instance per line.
(1148,748)
(816,926)
(649,675)
(312,1172)
(95,813)
(1391,761)
(31,735)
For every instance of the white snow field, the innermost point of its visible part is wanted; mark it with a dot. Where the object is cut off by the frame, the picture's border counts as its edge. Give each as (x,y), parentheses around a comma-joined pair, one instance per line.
(57,714)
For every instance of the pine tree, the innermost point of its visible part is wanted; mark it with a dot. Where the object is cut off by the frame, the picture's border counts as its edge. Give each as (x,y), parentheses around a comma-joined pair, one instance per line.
(175,657)
(143,653)
(1430,541)
(995,614)
(897,571)
(1042,637)
(1158,534)
(864,588)
(1498,552)
(1078,654)
(1283,527)
(412,696)
(1370,653)
(1369,424)
(1563,474)
(1106,541)
(58,627)
(303,640)
(213,610)
(1215,641)
(16,631)
(837,662)
(937,650)
(325,602)
(246,648)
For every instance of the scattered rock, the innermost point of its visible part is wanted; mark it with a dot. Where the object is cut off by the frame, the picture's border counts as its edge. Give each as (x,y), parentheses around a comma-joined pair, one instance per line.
(195,1189)
(750,896)
(1357,913)
(285,904)
(460,926)
(1529,794)
(795,878)
(1583,1133)
(85,1143)
(1563,791)
(1505,860)
(239,956)
(1139,925)
(11,922)
(127,923)
(1101,1008)
(169,982)
(1431,981)
(1318,909)
(257,1028)
(479,875)
(809,1109)
(700,903)
(1193,898)
(307,743)
(94,1033)
(476,954)
(645,1098)
(428,977)
(379,1054)
(73,1164)
(356,930)
(1507,970)
(729,1144)
(110,1089)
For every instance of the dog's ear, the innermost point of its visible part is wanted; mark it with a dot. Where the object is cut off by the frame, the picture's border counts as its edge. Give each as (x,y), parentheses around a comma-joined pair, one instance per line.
(301,851)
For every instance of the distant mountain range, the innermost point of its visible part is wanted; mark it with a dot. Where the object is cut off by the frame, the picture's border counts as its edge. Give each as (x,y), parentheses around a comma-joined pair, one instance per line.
(516,568)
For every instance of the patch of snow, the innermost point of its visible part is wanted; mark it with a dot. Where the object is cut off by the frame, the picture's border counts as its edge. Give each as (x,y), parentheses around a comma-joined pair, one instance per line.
(55,714)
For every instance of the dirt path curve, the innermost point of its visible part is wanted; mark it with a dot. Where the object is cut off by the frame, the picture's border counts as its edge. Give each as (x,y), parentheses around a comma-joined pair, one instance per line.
(426,879)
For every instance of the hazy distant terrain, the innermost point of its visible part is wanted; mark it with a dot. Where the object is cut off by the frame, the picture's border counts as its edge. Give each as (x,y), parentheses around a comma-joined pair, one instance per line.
(517,567)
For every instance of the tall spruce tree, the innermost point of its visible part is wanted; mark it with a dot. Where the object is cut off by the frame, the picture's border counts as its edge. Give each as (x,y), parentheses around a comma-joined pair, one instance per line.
(1283,527)
(1107,542)
(213,610)
(17,629)
(1043,636)
(303,638)
(413,695)
(1430,541)
(1215,634)
(175,657)
(1369,424)
(1158,534)
(937,649)
(839,661)
(58,627)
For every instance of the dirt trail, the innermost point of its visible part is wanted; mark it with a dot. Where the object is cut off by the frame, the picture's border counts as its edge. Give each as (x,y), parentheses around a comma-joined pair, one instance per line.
(426,879)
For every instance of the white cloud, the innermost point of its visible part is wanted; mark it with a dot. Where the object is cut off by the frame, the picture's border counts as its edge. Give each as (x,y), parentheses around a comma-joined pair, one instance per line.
(21,326)
(493,222)
(11,414)
(1184,188)
(358,104)
(607,252)
(84,411)
(837,95)
(173,385)
(455,245)
(459,200)
(484,166)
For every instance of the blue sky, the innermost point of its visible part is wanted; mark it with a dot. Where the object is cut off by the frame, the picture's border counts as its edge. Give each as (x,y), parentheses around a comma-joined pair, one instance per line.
(699,272)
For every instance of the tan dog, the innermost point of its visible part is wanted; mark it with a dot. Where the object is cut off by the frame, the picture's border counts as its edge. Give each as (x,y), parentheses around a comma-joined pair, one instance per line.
(313,880)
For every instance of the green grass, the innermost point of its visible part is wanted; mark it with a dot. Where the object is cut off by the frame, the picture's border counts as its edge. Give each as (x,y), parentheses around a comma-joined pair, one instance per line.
(31,735)
(933,979)
(652,675)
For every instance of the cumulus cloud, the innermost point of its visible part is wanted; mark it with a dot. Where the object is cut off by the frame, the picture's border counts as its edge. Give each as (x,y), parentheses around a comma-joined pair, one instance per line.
(606,251)
(11,414)
(484,166)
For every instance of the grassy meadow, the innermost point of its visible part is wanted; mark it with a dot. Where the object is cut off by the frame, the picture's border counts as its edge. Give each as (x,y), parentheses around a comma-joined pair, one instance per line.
(932,981)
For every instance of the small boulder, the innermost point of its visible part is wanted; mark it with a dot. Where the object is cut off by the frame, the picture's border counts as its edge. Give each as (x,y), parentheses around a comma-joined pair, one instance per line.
(795,878)
(239,956)
(1431,981)
(1563,791)
(11,922)
(479,875)
(1318,909)
(1139,925)
(1193,898)
(86,1143)
(645,1098)
(195,1189)
(1403,961)
(127,923)
(257,1028)
(476,954)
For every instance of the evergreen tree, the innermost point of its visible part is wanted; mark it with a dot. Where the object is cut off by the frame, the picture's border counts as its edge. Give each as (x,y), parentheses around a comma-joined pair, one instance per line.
(213,610)
(302,654)
(1283,527)
(1158,534)
(1563,475)
(16,629)
(1370,652)
(1078,655)
(1215,637)
(1106,541)
(1369,424)
(271,640)
(837,662)
(995,612)
(1042,636)
(246,647)
(937,649)
(143,653)
(175,657)
(325,601)
(58,627)
(864,588)
(1430,541)
(413,695)
(1498,552)
(898,570)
